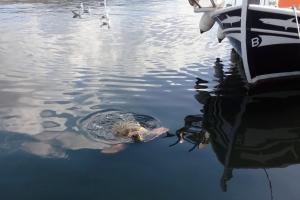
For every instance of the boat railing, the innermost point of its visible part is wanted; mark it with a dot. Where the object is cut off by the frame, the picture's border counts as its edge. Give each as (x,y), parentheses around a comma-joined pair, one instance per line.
(277,3)
(257,2)
(210,5)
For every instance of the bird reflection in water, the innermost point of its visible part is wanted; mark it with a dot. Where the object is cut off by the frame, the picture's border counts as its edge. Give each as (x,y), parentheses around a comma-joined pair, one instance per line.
(255,127)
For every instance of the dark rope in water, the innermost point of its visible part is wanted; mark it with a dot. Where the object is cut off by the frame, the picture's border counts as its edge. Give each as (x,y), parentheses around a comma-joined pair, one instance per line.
(270,184)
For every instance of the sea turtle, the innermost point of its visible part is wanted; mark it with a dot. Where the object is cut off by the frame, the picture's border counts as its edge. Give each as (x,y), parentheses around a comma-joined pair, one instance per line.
(135,131)
(116,126)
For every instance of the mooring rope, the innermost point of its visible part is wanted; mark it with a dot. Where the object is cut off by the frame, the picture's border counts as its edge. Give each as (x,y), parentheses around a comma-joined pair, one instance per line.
(296,17)
(270,184)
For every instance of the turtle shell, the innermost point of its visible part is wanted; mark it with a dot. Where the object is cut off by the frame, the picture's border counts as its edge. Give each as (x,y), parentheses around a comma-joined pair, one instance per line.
(99,125)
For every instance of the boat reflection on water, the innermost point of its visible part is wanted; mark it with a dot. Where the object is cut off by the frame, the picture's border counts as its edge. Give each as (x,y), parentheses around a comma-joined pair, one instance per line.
(248,128)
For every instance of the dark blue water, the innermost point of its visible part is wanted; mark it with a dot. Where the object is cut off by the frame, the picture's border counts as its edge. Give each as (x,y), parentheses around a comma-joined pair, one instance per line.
(226,140)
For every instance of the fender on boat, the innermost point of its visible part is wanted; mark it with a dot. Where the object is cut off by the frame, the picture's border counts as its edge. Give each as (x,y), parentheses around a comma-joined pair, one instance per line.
(220,35)
(206,22)
(208,7)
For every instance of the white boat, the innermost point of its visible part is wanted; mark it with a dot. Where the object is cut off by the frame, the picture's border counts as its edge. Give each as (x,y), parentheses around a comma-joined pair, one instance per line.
(265,33)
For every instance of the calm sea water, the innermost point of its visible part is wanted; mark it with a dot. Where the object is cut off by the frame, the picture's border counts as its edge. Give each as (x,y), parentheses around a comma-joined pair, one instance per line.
(225,141)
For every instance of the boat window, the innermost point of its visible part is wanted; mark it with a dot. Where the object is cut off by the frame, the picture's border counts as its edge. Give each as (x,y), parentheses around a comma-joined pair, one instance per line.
(254,2)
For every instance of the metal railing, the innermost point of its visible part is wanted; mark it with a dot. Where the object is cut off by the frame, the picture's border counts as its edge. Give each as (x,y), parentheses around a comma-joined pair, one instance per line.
(258,2)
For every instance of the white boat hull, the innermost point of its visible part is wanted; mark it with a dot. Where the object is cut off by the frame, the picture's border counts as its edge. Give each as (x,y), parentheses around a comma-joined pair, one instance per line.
(266,38)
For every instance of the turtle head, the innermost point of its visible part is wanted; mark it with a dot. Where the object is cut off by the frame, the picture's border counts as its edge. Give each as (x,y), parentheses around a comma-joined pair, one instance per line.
(137,137)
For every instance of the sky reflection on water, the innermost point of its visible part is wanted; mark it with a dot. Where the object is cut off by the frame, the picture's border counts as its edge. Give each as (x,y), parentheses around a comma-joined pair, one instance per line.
(54,62)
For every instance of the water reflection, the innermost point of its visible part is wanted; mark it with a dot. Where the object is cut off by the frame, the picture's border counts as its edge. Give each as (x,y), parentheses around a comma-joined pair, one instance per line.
(50,61)
(56,69)
(52,144)
(248,128)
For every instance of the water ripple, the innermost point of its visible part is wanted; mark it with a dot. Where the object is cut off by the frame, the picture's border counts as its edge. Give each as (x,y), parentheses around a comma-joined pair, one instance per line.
(56,69)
